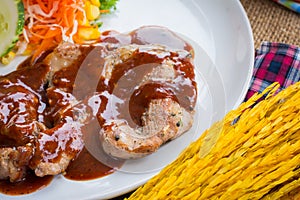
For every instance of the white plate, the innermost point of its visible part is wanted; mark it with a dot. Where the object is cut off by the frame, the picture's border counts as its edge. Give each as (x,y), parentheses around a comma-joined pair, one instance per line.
(210,106)
(221,35)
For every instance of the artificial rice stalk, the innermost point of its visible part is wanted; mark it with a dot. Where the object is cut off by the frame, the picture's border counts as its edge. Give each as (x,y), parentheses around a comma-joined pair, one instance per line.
(253,153)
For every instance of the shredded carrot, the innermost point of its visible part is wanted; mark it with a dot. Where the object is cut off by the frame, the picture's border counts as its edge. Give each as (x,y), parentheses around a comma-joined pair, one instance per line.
(44,46)
(48,22)
(42,5)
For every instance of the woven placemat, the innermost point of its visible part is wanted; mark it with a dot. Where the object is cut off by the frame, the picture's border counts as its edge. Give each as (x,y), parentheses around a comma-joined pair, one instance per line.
(272,22)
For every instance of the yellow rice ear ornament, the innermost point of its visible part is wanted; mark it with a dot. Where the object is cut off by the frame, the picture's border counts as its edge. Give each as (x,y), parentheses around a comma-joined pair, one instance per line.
(253,153)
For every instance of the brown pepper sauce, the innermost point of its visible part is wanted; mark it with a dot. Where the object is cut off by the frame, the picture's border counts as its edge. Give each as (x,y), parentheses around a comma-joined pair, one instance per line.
(85,166)
(31,183)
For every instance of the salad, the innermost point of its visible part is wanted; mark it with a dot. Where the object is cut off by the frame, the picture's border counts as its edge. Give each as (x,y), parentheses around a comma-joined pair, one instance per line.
(30,27)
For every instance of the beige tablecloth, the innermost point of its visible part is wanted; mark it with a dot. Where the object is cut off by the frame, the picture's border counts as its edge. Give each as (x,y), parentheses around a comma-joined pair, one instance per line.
(272,22)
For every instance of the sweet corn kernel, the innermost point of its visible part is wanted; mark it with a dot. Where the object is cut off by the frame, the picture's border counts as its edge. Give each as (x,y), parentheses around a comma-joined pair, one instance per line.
(8,58)
(92,11)
(88,33)
(96,3)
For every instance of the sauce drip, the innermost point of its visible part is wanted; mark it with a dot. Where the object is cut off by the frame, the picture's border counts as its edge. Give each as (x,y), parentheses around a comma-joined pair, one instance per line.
(158,35)
(31,183)
(87,165)
(79,169)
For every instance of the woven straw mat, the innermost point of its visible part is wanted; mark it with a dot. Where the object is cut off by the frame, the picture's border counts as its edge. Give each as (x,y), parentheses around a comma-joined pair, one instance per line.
(272,22)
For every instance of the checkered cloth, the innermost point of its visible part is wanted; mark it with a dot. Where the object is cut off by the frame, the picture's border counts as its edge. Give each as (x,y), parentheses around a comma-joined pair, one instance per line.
(275,62)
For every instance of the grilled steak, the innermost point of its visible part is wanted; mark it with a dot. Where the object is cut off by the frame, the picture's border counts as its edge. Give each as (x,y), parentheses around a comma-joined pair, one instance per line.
(139,95)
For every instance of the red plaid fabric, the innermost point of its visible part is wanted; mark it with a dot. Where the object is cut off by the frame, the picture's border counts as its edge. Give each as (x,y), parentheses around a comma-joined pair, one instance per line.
(275,62)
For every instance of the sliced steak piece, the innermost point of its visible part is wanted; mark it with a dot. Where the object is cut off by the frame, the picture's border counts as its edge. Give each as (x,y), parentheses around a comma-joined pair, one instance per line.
(56,146)
(164,120)
(23,103)
(75,72)
(22,107)
(44,121)
(152,96)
